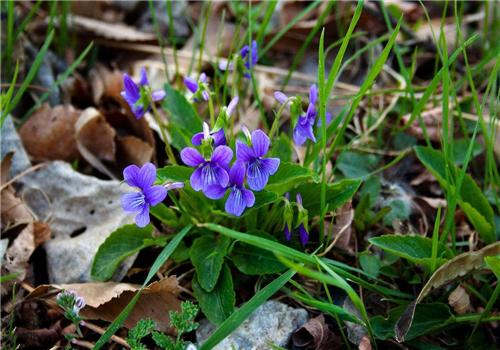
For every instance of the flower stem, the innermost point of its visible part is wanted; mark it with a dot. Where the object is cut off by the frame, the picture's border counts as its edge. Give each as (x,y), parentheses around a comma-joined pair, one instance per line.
(276,123)
(168,149)
(211,110)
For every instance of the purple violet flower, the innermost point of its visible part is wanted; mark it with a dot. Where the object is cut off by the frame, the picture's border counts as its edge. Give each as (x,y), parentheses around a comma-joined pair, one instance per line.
(218,136)
(281,98)
(147,196)
(135,95)
(239,197)
(232,105)
(303,235)
(208,172)
(250,56)
(304,128)
(194,86)
(259,168)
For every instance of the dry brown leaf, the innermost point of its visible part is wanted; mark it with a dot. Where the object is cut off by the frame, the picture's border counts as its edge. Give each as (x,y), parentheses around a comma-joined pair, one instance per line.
(105,83)
(454,268)
(95,139)
(342,229)
(96,135)
(105,300)
(49,134)
(115,31)
(133,150)
(459,300)
(315,334)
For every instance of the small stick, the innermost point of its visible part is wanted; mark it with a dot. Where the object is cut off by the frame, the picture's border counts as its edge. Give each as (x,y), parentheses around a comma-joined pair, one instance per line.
(83,343)
(101,331)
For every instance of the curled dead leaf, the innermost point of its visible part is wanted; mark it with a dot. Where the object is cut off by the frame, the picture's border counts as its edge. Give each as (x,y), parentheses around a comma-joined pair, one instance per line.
(315,334)
(459,300)
(133,150)
(49,134)
(95,139)
(105,83)
(104,301)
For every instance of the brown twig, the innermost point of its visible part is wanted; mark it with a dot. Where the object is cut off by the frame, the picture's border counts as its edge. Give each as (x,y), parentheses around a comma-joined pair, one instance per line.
(83,343)
(101,331)
(20,175)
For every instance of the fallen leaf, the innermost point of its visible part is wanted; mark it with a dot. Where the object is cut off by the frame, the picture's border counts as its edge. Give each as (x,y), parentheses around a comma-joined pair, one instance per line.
(115,31)
(454,268)
(95,149)
(105,83)
(342,229)
(133,150)
(315,334)
(49,134)
(459,300)
(105,300)
(16,220)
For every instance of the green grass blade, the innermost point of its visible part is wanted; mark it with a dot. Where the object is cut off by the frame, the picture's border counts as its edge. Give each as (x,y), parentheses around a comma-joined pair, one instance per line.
(239,316)
(286,28)
(300,54)
(30,76)
(160,260)
(293,254)
(435,241)
(267,17)
(372,74)
(59,81)
(325,91)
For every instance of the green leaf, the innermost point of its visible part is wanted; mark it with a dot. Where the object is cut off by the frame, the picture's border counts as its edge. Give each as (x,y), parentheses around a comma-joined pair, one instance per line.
(471,198)
(428,318)
(263,198)
(173,173)
(124,242)
(282,148)
(356,165)
(165,215)
(493,263)
(460,147)
(287,176)
(182,113)
(218,304)
(370,263)
(337,194)
(252,260)
(240,315)
(416,249)
(207,255)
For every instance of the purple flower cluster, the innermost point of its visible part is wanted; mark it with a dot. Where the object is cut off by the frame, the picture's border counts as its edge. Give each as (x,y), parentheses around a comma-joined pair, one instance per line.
(304,128)
(137,95)
(214,176)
